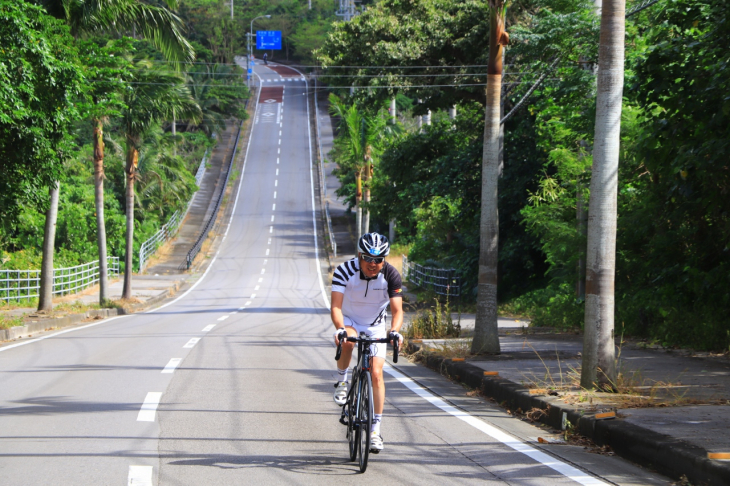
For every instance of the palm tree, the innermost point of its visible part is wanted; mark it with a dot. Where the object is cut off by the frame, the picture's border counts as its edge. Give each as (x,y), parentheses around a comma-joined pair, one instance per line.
(151,98)
(599,367)
(486,336)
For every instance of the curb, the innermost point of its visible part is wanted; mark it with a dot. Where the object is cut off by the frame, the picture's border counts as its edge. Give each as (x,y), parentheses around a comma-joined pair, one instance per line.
(52,324)
(668,455)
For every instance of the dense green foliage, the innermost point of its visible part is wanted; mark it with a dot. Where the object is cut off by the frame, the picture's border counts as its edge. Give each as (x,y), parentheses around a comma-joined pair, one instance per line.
(38,82)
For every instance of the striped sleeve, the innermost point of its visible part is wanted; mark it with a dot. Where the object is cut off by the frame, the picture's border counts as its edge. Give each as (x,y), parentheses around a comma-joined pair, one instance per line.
(339,278)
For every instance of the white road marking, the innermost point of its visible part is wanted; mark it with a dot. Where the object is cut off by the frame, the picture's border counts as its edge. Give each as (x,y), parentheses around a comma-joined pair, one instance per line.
(279,152)
(276,183)
(265,262)
(506,439)
(280,133)
(275,193)
(248,303)
(241,308)
(277,171)
(256,288)
(263,270)
(279,141)
(171,365)
(149,407)
(269,242)
(267,252)
(223,318)
(277,160)
(209,327)
(271,229)
(272,218)
(139,476)
(261,280)
(191,343)
(253,296)
(273,208)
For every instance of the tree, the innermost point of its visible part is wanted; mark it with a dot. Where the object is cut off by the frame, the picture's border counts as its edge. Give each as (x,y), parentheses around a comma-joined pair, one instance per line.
(486,336)
(599,367)
(151,97)
(39,80)
(162,27)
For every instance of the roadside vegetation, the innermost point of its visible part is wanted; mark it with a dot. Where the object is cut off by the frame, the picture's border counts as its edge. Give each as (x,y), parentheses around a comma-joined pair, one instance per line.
(672,260)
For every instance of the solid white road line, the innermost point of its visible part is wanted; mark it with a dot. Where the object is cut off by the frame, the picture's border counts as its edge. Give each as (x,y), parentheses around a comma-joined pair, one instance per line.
(223,318)
(506,439)
(208,328)
(191,343)
(139,476)
(170,367)
(149,407)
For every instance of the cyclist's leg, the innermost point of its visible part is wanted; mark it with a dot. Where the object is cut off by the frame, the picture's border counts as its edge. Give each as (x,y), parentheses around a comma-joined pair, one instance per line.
(347,347)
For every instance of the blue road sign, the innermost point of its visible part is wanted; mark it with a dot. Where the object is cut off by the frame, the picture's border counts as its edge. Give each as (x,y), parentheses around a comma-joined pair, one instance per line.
(268,39)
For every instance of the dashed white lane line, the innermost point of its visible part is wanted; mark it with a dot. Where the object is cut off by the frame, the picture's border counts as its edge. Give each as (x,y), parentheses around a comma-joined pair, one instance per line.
(256,288)
(267,252)
(274,194)
(248,303)
(269,242)
(279,152)
(191,343)
(223,318)
(208,328)
(279,141)
(139,476)
(261,280)
(277,171)
(506,439)
(273,208)
(276,182)
(253,296)
(272,218)
(263,270)
(265,262)
(280,133)
(149,407)
(171,365)
(277,160)
(241,308)
(271,229)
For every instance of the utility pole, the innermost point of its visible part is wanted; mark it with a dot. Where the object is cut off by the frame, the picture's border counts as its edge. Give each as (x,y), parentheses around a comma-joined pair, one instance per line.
(231,9)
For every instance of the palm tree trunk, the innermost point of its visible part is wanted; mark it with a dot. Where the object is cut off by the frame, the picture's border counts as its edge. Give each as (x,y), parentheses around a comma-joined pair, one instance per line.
(358,205)
(131,169)
(99,203)
(486,336)
(45,294)
(599,367)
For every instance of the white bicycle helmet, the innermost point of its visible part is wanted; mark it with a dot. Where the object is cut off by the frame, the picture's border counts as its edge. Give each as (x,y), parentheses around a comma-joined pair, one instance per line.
(374,244)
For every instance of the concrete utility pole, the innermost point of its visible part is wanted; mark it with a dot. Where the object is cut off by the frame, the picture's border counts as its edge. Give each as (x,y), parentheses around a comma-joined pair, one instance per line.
(392,110)
(231,9)
(427,118)
(452,112)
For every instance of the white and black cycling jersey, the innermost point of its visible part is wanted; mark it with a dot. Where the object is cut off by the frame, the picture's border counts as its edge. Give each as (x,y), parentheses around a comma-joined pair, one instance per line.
(366,299)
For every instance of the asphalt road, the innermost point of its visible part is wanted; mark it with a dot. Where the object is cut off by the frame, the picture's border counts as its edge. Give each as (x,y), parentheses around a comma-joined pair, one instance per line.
(232,382)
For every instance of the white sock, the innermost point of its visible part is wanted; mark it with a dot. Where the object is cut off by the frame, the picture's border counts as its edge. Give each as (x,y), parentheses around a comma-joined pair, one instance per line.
(377,418)
(343,374)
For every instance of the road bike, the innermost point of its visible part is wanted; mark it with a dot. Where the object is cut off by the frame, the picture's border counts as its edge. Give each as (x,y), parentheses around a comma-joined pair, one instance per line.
(357,412)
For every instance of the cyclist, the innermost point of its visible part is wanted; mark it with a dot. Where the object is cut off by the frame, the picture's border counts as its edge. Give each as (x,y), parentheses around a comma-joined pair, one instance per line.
(362,289)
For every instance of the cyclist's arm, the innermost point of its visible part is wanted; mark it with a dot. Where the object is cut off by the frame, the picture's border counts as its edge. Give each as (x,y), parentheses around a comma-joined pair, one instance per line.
(336,310)
(396,310)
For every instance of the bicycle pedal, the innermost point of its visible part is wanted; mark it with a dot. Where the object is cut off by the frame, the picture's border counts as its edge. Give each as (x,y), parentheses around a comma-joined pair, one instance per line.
(374,451)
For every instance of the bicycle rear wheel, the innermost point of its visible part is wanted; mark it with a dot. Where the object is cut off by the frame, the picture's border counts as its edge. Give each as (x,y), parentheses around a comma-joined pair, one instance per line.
(353,430)
(365,419)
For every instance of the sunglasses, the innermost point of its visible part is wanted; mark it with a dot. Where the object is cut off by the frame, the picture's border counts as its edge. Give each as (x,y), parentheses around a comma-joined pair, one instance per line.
(370,259)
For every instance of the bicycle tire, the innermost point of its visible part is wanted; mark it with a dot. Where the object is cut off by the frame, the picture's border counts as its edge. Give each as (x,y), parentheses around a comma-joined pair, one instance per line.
(352,429)
(365,420)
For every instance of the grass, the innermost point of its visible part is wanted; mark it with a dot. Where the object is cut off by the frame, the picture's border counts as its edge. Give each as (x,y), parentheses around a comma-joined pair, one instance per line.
(8,322)
(433,322)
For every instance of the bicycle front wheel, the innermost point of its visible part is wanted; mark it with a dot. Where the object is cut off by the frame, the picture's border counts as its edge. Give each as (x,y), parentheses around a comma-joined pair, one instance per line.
(353,430)
(365,419)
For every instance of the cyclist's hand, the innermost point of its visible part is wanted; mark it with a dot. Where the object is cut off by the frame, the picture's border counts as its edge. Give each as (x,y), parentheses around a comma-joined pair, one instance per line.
(393,335)
(339,335)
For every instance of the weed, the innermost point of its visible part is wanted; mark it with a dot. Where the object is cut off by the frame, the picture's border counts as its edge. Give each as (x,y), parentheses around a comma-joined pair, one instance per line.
(8,322)
(433,323)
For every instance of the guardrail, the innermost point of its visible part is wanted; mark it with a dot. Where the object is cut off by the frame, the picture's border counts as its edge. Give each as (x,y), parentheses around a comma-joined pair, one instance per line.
(330,233)
(443,281)
(169,229)
(323,177)
(25,284)
(193,252)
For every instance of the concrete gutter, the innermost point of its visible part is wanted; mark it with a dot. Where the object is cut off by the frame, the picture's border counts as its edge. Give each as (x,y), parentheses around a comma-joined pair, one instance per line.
(668,455)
